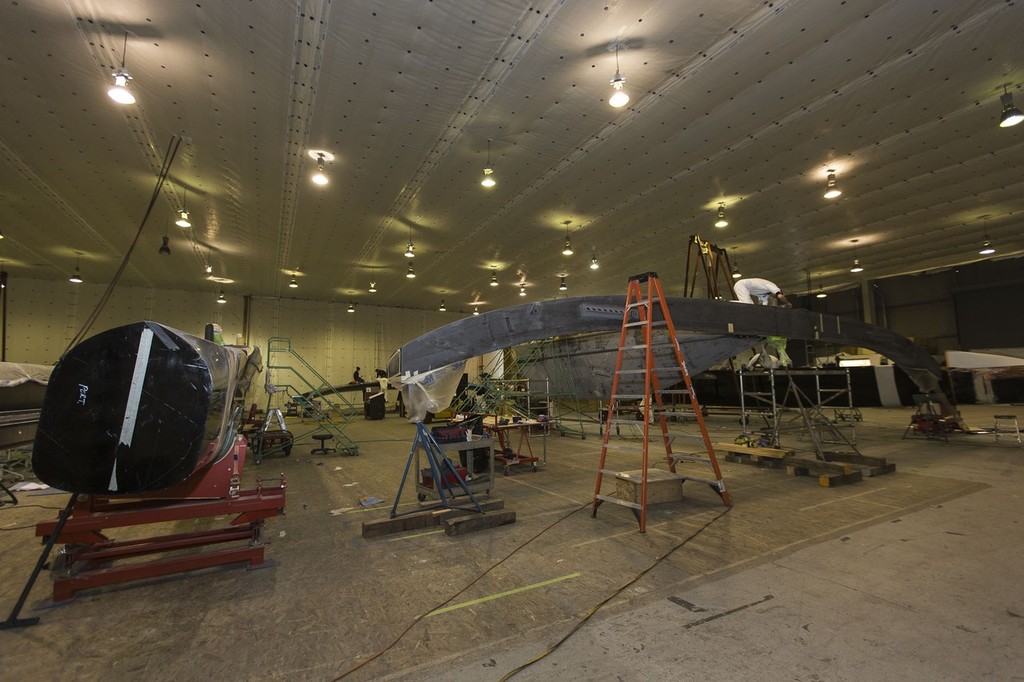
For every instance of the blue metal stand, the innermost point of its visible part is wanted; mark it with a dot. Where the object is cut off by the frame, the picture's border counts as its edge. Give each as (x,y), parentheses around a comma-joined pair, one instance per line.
(446,476)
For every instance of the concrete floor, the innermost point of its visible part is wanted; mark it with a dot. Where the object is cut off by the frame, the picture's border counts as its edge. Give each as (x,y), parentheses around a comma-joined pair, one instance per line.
(912,575)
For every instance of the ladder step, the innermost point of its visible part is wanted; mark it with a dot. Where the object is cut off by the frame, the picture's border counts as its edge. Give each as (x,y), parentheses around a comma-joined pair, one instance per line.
(642,346)
(641,304)
(616,500)
(652,323)
(674,369)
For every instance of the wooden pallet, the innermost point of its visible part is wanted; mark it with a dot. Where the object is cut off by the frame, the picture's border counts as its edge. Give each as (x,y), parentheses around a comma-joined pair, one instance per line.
(838,469)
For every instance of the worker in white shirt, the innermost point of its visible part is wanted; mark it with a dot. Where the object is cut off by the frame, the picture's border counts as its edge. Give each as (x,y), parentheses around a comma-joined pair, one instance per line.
(747,290)
(754,288)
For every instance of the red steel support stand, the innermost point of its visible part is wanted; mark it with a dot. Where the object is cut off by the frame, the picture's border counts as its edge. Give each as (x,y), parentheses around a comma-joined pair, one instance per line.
(89,557)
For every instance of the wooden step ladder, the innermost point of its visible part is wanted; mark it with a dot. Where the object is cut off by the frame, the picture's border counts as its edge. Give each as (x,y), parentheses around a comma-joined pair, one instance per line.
(647,316)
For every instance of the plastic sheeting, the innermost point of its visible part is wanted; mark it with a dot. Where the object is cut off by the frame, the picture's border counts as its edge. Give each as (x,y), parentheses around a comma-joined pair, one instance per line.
(430,391)
(17,373)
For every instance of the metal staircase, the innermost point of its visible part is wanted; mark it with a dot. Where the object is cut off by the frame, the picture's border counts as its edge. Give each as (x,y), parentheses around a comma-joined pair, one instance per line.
(315,397)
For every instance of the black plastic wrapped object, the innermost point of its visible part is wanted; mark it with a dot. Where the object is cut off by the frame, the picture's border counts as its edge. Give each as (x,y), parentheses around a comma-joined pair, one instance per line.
(134,409)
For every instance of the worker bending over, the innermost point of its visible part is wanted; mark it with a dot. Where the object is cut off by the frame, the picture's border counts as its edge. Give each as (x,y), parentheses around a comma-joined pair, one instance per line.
(747,290)
(772,352)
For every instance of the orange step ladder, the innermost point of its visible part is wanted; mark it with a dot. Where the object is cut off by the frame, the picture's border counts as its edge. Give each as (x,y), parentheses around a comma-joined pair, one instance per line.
(646,328)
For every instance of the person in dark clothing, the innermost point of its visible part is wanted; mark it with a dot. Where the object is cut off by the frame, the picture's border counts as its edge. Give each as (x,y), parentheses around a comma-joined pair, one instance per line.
(356,379)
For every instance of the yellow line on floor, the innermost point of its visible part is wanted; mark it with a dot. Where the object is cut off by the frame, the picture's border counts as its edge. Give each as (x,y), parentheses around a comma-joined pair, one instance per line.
(846,497)
(499,595)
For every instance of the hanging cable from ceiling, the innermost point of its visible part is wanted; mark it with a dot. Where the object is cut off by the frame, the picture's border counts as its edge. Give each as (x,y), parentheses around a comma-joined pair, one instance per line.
(165,167)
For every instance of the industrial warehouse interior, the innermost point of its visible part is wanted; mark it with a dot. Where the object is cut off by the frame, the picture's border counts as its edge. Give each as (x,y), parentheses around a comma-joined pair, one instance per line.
(405,340)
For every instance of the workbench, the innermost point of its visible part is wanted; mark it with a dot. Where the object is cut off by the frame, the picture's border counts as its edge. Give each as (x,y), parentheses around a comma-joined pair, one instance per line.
(505,433)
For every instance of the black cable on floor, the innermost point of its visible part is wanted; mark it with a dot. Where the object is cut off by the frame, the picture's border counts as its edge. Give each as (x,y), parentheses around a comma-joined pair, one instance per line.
(596,608)
(475,580)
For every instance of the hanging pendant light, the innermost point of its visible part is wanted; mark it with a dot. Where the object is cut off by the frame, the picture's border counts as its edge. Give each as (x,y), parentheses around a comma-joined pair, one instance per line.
(721,222)
(373,287)
(120,93)
(1011,115)
(831,190)
(562,286)
(986,247)
(183,220)
(522,290)
(494,277)
(321,157)
(594,265)
(410,249)
(221,298)
(294,283)
(76,278)
(488,180)
(410,273)
(821,294)
(856,267)
(619,97)
(476,310)
(442,308)
(567,249)
(351,307)
(165,249)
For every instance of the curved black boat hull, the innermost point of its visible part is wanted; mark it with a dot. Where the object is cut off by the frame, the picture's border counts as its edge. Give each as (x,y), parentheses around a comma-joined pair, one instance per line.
(134,409)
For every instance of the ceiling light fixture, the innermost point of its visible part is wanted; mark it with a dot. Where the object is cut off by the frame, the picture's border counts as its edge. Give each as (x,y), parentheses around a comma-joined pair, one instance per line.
(856,266)
(183,220)
(209,269)
(986,248)
(619,97)
(594,265)
(442,308)
(321,157)
(410,273)
(76,278)
(320,178)
(831,191)
(373,287)
(120,93)
(494,277)
(351,307)
(736,272)
(721,222)
(567,249)
(476,310)
(165,248)
(1011,115)
(821,294)
(410,249)
(294,283)
(522,290)
(488,180)
(221,299)
(562,285)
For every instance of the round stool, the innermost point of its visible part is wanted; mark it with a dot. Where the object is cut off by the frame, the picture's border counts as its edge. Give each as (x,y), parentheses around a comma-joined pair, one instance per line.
(322,449)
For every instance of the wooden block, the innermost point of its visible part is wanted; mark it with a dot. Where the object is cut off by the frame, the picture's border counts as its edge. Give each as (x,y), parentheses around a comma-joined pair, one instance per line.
(427,518)
(662,486)
(759,452)
(832,480)
(468,524)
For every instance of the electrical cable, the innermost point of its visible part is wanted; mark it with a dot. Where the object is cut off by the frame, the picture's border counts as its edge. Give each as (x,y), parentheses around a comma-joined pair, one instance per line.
(597,607)
(490,568)
(165,168)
